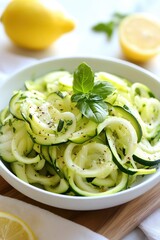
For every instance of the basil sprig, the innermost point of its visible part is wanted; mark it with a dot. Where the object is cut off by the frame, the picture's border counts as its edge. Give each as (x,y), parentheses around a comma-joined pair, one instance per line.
(109,27)
(90,94)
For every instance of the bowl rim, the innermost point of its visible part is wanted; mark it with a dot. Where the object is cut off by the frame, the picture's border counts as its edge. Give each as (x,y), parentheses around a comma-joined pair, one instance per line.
(95,58)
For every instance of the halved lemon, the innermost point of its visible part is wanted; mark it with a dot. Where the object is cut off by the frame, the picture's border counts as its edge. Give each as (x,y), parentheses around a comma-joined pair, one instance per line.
(139,36)
(14,228)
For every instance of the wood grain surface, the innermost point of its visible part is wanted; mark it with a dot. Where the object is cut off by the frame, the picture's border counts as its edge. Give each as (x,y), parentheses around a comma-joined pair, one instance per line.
(114,223)
(131,214)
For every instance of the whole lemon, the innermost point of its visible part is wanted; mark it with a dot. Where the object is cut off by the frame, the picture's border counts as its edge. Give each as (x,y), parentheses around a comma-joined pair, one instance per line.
(32,24)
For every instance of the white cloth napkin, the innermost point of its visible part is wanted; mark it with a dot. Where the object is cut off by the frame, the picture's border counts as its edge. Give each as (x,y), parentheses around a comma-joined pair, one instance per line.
(151,226)
(45,224)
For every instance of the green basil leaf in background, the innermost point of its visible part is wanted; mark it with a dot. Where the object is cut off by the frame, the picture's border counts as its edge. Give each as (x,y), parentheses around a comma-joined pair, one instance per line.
(119,16)
(83,81)
(103,88)
(109,27)
(95,111)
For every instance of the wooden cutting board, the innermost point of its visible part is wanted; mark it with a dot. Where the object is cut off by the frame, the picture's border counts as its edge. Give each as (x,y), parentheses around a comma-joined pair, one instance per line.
(114,223)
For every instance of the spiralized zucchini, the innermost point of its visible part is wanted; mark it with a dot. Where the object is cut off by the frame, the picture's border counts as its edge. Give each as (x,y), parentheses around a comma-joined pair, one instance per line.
(49,143)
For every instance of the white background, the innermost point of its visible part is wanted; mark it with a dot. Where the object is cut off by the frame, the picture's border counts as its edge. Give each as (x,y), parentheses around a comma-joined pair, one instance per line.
(82,41)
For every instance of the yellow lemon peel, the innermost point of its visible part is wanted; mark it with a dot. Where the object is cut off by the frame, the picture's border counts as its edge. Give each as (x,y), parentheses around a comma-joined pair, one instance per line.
(33,25)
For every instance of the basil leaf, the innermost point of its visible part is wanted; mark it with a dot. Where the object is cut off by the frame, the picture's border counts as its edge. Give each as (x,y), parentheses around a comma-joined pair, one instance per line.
(96,111)
(77,97)
(93,97)
(103,88)
(83,81)
(108,28)
(90,95)
(118,17)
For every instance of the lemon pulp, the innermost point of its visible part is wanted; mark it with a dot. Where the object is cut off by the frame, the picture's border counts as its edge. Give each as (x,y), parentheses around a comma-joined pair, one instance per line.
(13,228)
(139,37)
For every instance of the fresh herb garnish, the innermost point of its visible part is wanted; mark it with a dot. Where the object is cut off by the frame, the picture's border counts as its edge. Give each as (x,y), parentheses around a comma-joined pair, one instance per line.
(83,79)
(90,95)
(60,125)
(110,26)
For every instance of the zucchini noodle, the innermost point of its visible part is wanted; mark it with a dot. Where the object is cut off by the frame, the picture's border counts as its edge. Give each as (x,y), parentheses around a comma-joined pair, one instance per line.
(49,143)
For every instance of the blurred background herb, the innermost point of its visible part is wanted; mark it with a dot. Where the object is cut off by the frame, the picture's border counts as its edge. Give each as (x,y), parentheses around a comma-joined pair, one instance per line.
(109,27)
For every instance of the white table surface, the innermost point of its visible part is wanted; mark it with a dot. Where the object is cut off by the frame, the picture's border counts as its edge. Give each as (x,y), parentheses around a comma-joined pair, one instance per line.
(82,41)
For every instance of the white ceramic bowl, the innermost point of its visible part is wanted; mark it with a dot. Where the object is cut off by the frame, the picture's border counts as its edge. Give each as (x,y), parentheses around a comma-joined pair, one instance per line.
(114,66)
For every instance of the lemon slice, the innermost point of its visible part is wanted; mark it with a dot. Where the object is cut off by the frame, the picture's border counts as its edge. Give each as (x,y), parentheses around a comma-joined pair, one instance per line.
(139,36)
(13,228)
